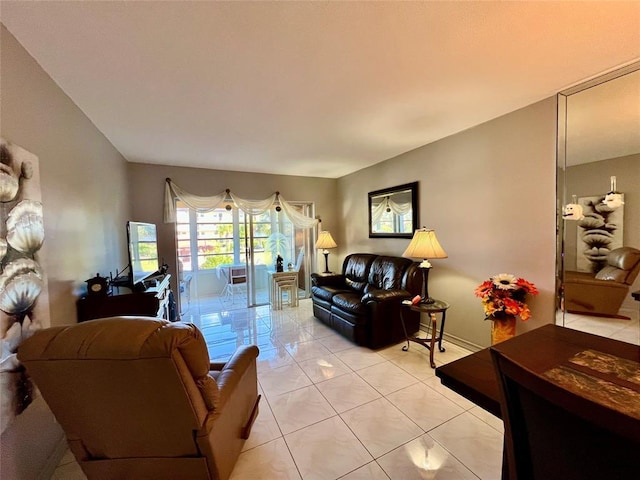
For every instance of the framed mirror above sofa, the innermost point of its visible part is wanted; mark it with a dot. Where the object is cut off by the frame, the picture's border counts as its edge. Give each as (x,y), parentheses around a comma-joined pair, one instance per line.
(393,212)
(598,203)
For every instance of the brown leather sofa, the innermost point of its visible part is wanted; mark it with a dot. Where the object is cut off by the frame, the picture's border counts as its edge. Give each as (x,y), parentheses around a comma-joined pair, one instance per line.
(138,399)
(364,302)
(602,293)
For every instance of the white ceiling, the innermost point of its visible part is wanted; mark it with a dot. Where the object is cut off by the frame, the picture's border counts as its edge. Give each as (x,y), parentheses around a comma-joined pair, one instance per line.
(603,121)
(311,88)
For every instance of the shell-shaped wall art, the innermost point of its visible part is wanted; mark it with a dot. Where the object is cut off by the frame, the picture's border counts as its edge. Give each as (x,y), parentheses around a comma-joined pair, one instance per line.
(9,183)
(3,248)
(25,227)
(20,284)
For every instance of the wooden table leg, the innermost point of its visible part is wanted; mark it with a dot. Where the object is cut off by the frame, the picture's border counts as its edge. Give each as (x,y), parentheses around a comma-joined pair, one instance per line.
(433,339)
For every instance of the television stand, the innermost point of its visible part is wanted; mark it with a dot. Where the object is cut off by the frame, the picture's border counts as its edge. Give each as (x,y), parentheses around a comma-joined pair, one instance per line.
(155,301)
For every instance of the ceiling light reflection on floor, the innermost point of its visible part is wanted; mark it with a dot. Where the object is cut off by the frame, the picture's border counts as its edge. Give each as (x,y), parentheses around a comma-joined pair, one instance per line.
(425,458)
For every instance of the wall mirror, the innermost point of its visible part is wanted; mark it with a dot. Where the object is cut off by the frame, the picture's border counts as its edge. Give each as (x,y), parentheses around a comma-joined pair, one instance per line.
(598,153)
(393,212)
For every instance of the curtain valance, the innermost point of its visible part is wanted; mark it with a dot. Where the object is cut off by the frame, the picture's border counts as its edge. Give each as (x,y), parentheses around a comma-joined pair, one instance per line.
(398,208)
(250,207)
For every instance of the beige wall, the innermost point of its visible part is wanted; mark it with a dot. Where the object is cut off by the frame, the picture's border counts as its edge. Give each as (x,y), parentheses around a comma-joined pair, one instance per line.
(83,181)
(146,183)
(489,192)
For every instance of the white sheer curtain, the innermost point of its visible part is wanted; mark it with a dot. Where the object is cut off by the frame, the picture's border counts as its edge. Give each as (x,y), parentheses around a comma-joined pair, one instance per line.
(398,208)
(298,219)
(251,207)
(173,191)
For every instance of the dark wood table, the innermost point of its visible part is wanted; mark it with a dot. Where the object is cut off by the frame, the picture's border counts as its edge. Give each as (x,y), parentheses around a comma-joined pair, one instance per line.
(541,349)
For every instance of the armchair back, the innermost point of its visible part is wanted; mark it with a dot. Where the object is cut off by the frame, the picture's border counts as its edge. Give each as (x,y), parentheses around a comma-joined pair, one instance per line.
(623,266)
(138,398)
(126,372)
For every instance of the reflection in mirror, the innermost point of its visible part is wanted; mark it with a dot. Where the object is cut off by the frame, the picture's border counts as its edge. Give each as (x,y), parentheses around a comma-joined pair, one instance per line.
(599,205)
(393,212)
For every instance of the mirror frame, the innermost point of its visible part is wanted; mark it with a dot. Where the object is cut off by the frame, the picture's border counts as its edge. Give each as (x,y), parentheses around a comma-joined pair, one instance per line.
(413,188)
(562,196)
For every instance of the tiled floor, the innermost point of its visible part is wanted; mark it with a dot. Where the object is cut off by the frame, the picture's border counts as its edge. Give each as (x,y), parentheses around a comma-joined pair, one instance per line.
(616,328)
(333,410)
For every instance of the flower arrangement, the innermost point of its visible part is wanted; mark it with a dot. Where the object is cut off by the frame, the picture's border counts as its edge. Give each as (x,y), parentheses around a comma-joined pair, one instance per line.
(504,294)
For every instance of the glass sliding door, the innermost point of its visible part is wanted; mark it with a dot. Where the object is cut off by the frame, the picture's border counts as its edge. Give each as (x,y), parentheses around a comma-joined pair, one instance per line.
(211,252)
(214,247)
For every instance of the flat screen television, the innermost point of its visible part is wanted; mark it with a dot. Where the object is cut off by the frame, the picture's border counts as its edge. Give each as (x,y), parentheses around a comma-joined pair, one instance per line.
(143,251)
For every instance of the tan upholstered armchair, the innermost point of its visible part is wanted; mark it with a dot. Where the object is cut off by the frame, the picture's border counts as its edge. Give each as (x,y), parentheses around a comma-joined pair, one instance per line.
(138,399)
(602,293)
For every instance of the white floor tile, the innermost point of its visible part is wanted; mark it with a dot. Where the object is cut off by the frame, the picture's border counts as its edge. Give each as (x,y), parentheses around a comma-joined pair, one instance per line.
(474,443)
(283,379)
(421,459)
(386,377)
(307,350)
(271,461)
(326,450)
(426,407)
(371,471)
(347,391)
(324,368)
(391,428)
(415,363)
(300,408)
(357,358)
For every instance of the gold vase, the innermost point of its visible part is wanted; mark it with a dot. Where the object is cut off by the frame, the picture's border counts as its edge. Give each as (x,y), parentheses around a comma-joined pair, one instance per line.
(502,329)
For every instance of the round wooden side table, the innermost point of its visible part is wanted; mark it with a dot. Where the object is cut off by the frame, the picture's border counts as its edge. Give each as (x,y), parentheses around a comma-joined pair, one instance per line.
(431,309)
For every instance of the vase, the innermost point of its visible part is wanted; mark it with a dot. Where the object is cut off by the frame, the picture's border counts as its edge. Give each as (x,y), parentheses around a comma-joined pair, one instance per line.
(502,329)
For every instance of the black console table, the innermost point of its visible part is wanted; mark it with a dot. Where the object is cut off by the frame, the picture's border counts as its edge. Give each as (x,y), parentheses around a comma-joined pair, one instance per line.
(153,302)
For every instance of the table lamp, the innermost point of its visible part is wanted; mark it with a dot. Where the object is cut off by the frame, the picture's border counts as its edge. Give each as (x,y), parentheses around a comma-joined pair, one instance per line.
(425,245)
(326,241)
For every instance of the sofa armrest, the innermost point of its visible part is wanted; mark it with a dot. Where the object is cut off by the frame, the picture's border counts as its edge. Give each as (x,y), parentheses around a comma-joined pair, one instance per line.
(327,279)
(385,296)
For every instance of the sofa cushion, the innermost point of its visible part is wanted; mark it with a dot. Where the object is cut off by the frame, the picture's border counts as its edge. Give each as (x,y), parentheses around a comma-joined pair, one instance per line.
(350,302)
(326,293)
(386,272)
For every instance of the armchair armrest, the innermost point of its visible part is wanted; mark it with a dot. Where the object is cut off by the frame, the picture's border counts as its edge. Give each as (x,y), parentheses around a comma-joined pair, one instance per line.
(233,371)
(327,279)
(385,296)
(589,280)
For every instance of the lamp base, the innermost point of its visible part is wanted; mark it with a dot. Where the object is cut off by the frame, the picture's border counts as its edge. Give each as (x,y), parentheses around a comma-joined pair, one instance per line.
(326,262)
(426,299)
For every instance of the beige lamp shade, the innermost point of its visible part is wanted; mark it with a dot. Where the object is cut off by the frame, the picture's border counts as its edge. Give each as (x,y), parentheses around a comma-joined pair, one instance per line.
(424,244)
(325,241)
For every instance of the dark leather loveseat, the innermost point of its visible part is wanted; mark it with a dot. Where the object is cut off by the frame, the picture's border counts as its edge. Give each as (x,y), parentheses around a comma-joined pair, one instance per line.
(364,302)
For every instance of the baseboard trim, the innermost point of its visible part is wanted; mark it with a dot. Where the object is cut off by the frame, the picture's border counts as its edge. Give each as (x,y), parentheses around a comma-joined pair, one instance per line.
(460,342)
